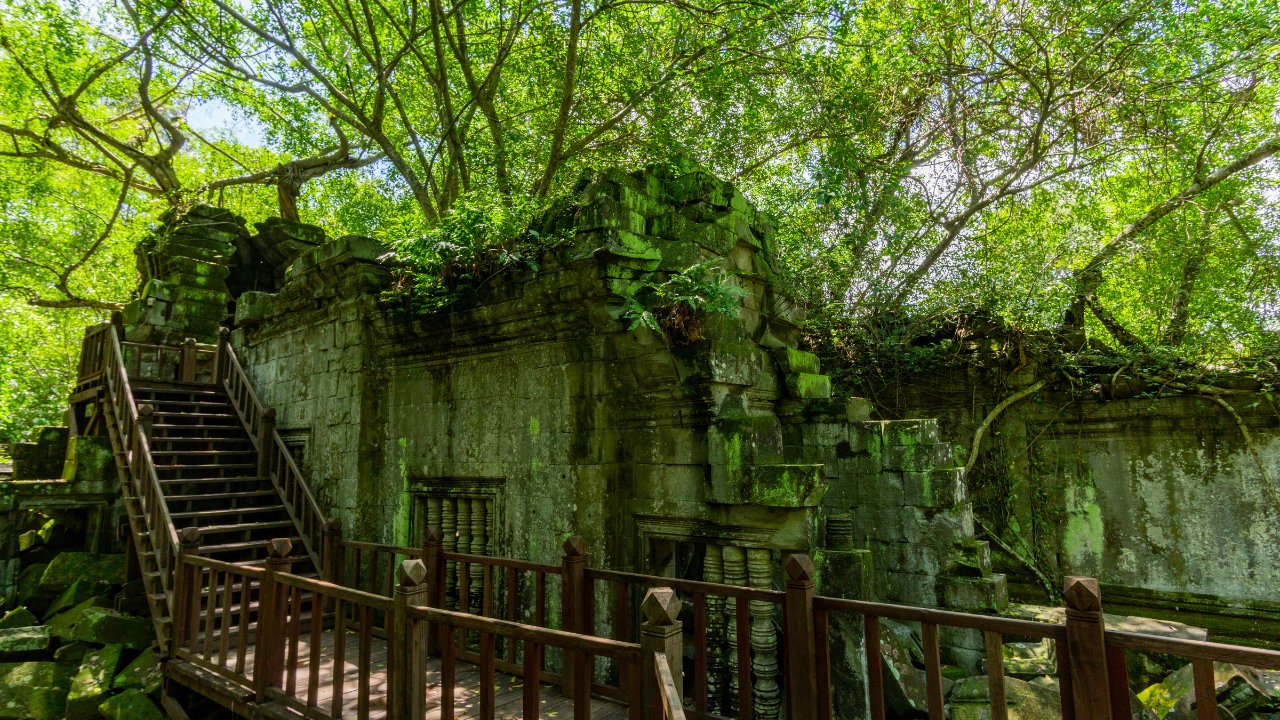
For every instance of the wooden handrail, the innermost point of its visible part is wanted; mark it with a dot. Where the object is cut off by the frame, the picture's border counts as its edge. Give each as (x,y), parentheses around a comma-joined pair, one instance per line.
(1194,649)
(137,446)
(690,586)
(949,618)
(562,639)
(299,502)
(672,703)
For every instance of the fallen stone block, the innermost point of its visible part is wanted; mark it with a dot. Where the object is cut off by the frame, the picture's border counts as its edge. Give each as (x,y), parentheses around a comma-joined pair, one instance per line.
(971,700)
(68,567)
(34,690)
(92,682)
(62,625)
(78,592)
(18,641)
(143,674)
(17,618)
(103,626)
(130,705)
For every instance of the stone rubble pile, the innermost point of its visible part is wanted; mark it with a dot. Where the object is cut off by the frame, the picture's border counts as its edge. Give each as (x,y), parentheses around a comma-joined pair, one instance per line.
(66,653)
(1161,685)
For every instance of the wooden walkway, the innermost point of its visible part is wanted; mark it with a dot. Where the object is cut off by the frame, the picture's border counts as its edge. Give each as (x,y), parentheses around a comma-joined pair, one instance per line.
(508,690)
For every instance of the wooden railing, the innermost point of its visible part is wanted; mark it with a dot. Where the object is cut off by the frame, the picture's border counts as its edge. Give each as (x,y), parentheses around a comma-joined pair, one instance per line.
(1090,660)
(214,610)
(994,629)
(190,362)
(1202,655)
(133,431)
(306,644)
(274,459)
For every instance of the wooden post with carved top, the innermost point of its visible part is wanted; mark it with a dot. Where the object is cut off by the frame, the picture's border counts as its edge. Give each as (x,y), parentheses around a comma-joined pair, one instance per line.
(802,675)
(1087,649)
(187,368)
(573,569)
(186,590)
(661,639)
(269,647)
(408,638)
(220,353)
(146,419)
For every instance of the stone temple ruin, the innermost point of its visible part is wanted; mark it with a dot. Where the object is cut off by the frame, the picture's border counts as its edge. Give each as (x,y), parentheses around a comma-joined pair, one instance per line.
(531,412)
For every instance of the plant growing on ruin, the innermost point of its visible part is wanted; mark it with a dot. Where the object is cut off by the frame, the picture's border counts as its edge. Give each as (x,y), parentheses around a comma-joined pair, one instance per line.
(678,306)
(479,239)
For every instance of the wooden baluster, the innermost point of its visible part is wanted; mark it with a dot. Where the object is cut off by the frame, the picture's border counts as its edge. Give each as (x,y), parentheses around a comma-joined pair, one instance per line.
(242,640)
(875,669)
(211,614)
(802,685)
(661,638)
(187,369)
(486,590)
(822,662)
(220,353)
(1206,693)
(294,634)
(339,657)
(1086,649)
(316,644)
(1066,689)
(932,671)
(433,558)
(1118,674)
(186,591)
(464,589)
(573,581)
(333,556)
(513,609)
(700,652)
(406,671)
(268,659)
(532,679)
(622,612)
(266,448)
(365,661)
(486,676)
(540,599)
(993,645)
(146,420)
(448,671)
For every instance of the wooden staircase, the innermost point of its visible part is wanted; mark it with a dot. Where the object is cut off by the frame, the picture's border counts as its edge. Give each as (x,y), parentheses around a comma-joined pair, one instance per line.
(208,470)
(190,454)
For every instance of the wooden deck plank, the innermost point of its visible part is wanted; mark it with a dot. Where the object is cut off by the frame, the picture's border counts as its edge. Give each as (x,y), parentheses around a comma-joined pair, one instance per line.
(508,688)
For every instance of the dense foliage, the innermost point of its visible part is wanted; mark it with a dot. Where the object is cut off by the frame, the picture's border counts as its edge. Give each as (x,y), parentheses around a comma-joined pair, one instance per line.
(1100,169)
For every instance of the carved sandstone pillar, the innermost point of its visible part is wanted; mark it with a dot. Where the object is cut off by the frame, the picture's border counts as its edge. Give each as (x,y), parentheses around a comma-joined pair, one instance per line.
(713,572)
(449,524)
(764,639)
(735,573)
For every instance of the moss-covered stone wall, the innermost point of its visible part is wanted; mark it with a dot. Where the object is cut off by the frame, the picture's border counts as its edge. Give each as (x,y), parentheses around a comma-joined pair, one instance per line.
(1159,498)
(530,412)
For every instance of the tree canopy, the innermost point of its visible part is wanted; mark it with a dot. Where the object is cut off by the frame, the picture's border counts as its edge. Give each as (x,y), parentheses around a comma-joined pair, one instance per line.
(1104,168)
